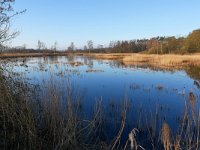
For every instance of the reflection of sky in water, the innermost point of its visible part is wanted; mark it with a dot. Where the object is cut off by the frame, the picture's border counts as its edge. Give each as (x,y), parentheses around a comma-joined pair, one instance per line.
(112,82)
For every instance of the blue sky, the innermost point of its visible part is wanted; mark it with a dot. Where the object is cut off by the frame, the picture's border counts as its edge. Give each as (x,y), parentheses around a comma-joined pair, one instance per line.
(77,21)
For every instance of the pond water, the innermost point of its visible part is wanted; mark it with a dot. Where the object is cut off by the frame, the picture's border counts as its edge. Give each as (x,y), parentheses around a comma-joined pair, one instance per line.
(150,92)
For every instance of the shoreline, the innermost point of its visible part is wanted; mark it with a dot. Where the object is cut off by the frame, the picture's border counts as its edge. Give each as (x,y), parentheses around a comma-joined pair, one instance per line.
(175,61)
(17,55)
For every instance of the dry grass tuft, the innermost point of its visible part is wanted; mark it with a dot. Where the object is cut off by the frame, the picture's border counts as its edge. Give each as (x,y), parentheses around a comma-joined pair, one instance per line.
(166,137)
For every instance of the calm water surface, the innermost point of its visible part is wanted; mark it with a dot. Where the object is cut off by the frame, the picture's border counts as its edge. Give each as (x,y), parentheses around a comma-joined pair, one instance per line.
(148,90)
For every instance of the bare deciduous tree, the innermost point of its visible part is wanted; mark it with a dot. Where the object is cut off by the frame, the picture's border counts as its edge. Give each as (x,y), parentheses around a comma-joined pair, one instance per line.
(55,46)
(41,45)
(85,48)
(90,45)
(6,14)
(71,47)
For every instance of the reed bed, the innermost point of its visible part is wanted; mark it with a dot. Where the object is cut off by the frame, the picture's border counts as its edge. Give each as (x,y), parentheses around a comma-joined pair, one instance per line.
(162,61)
(165,61)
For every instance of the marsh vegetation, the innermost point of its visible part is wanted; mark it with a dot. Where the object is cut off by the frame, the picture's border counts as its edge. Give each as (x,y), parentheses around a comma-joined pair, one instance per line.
(56,103)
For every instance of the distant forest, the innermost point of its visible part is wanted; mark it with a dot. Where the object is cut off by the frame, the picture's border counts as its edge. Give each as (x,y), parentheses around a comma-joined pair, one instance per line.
(156,45)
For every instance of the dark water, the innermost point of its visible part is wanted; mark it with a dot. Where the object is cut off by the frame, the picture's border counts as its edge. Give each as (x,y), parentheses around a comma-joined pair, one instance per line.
(150,92)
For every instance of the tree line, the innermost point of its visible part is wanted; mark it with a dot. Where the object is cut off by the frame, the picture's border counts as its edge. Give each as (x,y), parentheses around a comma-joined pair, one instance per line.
(156,45)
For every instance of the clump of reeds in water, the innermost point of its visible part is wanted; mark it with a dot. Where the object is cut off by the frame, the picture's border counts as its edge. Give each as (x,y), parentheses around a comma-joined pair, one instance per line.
(17,119)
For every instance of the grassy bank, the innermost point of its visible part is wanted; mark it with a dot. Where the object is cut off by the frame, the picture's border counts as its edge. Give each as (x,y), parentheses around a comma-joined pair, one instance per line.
(162,61)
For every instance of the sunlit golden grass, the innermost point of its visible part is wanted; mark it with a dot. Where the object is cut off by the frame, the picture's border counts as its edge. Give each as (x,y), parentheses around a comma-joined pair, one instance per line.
(163,61)
(177,61)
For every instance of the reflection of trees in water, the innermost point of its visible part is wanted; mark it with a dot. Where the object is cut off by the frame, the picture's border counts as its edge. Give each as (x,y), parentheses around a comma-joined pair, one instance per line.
(85,60)
(53,59)
(90,63)
(194,73)
(45,60)
(120,64)
(70,58)
(117,64)
(42,62)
